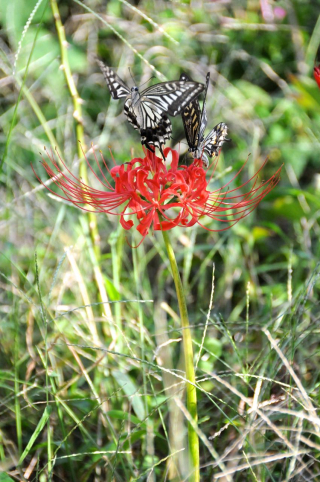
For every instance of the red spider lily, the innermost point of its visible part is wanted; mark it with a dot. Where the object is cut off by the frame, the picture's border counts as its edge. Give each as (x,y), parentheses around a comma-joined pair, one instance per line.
(316,73)
(160,195)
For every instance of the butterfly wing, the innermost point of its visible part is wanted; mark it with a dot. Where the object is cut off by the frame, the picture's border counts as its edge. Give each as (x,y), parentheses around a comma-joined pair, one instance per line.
(204,118)
(117,87)
(191,119)
(214,140)
(130,114)
(172,97)
(148,113)
(158,135)
(155,128)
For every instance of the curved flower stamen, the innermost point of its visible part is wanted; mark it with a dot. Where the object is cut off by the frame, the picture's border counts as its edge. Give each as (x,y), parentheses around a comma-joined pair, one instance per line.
(160,195)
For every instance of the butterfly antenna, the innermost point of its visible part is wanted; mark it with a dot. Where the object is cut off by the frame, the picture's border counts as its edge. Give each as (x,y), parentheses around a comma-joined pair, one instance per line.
(134,82)
(152,77)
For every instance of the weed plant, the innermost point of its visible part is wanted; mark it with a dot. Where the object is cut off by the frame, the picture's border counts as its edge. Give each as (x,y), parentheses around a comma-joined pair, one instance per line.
(91,375)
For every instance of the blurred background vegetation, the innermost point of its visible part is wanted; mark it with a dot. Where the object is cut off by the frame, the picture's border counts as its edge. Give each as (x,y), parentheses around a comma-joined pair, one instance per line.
(70,410)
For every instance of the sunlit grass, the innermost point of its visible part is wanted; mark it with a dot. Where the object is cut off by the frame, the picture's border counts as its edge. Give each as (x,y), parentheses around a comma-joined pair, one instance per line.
(92,376)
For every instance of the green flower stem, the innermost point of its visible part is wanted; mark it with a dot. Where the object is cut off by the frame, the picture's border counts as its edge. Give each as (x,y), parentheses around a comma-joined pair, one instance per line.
(188,357)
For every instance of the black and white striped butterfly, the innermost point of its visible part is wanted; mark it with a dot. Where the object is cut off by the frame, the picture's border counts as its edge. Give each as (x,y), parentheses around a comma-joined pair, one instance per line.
(195,122)
(147,111)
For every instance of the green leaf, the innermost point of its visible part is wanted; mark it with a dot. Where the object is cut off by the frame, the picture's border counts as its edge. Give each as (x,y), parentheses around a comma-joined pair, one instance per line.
(130,389)
(138,435)
(113,293)
(120,415)
(5,477)
(41,424)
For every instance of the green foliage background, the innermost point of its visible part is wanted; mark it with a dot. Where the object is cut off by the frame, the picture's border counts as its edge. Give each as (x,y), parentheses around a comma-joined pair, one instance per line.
(122,400)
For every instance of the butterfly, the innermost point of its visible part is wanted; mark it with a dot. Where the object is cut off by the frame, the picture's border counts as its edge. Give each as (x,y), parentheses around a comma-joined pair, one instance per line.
(195,122)
(147,110)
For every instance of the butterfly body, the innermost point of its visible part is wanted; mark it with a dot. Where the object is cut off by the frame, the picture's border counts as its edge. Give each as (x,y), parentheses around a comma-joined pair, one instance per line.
(195,122)
(155,129)
(135,96)
(147,111)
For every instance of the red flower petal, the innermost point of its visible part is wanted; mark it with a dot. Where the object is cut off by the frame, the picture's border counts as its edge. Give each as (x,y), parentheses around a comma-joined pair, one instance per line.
(316,73)
(160,196)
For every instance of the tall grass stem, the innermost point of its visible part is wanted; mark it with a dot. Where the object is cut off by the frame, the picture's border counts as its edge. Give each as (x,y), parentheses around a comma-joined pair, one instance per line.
(77,113)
